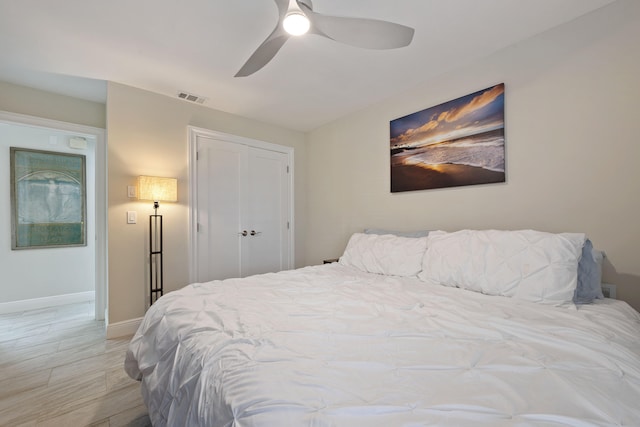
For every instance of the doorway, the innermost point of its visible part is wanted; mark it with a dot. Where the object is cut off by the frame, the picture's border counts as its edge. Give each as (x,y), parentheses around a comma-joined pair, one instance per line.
(241,206)
(47,268)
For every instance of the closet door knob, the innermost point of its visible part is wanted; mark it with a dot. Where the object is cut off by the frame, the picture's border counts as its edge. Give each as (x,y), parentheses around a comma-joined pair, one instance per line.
(255,233)
(243,233)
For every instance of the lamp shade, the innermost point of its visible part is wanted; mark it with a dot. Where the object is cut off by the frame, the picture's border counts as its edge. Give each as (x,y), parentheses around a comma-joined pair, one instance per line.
(157,189)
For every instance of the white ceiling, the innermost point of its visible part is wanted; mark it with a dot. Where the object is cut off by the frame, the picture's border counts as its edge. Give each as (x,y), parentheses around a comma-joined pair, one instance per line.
(166,46)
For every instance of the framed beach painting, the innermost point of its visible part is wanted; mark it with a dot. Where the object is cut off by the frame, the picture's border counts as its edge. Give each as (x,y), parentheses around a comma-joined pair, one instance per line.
(48,199)
(460,142)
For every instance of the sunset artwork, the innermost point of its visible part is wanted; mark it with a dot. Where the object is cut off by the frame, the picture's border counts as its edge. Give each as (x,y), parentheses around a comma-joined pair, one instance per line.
(460,142)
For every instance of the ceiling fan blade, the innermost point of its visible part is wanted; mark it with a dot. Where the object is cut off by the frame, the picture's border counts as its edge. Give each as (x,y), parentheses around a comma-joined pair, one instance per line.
(265,52)
(360,32)
(283,7)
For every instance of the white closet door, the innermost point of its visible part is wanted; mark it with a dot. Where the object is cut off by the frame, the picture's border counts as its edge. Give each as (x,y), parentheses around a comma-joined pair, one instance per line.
(242,210)
(265,249)
(220,167)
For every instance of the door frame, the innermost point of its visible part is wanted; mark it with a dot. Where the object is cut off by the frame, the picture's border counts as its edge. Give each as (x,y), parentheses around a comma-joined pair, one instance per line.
(194,133)
(100,193)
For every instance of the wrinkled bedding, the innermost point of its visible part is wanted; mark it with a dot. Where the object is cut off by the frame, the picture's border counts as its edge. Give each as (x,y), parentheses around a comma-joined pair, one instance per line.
(334,346)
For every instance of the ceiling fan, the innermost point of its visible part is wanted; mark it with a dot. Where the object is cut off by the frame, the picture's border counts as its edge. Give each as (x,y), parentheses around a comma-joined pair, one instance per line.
(296,17)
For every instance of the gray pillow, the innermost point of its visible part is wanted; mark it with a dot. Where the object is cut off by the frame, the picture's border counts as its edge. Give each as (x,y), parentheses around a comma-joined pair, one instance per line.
(419,233)
(589,275)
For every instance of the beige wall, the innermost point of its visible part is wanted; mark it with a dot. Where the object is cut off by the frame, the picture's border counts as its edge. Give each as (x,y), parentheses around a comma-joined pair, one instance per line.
(572,100)
(147,135)
(38,103)
(571,110)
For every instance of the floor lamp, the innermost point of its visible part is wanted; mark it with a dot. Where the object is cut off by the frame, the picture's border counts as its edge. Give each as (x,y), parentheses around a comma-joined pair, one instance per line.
(159,190)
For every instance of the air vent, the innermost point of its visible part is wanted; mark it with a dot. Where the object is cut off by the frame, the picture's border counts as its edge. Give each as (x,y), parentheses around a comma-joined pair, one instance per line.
(191,97)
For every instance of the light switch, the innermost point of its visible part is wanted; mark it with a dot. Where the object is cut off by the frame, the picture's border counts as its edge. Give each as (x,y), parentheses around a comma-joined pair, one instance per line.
(131,191)
(132,217)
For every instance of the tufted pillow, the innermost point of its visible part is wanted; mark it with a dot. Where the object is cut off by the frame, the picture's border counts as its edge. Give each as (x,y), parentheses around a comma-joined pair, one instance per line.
(385,254)
(523,264)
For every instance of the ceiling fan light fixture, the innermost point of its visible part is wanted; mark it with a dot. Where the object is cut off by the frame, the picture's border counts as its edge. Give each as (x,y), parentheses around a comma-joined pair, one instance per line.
(296,24)
(296,17)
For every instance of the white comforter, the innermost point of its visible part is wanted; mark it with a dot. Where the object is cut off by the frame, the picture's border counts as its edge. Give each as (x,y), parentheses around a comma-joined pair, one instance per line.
(332,346)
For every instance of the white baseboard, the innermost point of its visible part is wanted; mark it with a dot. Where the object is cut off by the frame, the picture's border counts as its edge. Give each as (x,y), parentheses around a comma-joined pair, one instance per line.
(52,301)
(123,329)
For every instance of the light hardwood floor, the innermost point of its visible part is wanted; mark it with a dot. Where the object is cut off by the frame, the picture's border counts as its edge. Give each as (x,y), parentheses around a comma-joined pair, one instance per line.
(58,369)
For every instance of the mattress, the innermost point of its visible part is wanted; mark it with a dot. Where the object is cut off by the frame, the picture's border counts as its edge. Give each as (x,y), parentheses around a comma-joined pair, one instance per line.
(332,345)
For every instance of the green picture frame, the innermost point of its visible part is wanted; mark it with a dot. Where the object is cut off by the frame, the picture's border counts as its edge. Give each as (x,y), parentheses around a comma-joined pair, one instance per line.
(48,199)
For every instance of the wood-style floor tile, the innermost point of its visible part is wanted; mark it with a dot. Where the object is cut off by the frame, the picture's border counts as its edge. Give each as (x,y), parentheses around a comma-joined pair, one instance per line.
(26,382)
(58,369)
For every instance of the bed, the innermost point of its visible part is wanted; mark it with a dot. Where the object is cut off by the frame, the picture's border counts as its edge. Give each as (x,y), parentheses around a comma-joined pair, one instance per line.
(476,327)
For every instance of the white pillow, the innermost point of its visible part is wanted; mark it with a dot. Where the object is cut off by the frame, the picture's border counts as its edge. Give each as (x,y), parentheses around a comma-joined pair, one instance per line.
(385,254)
(524,264)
